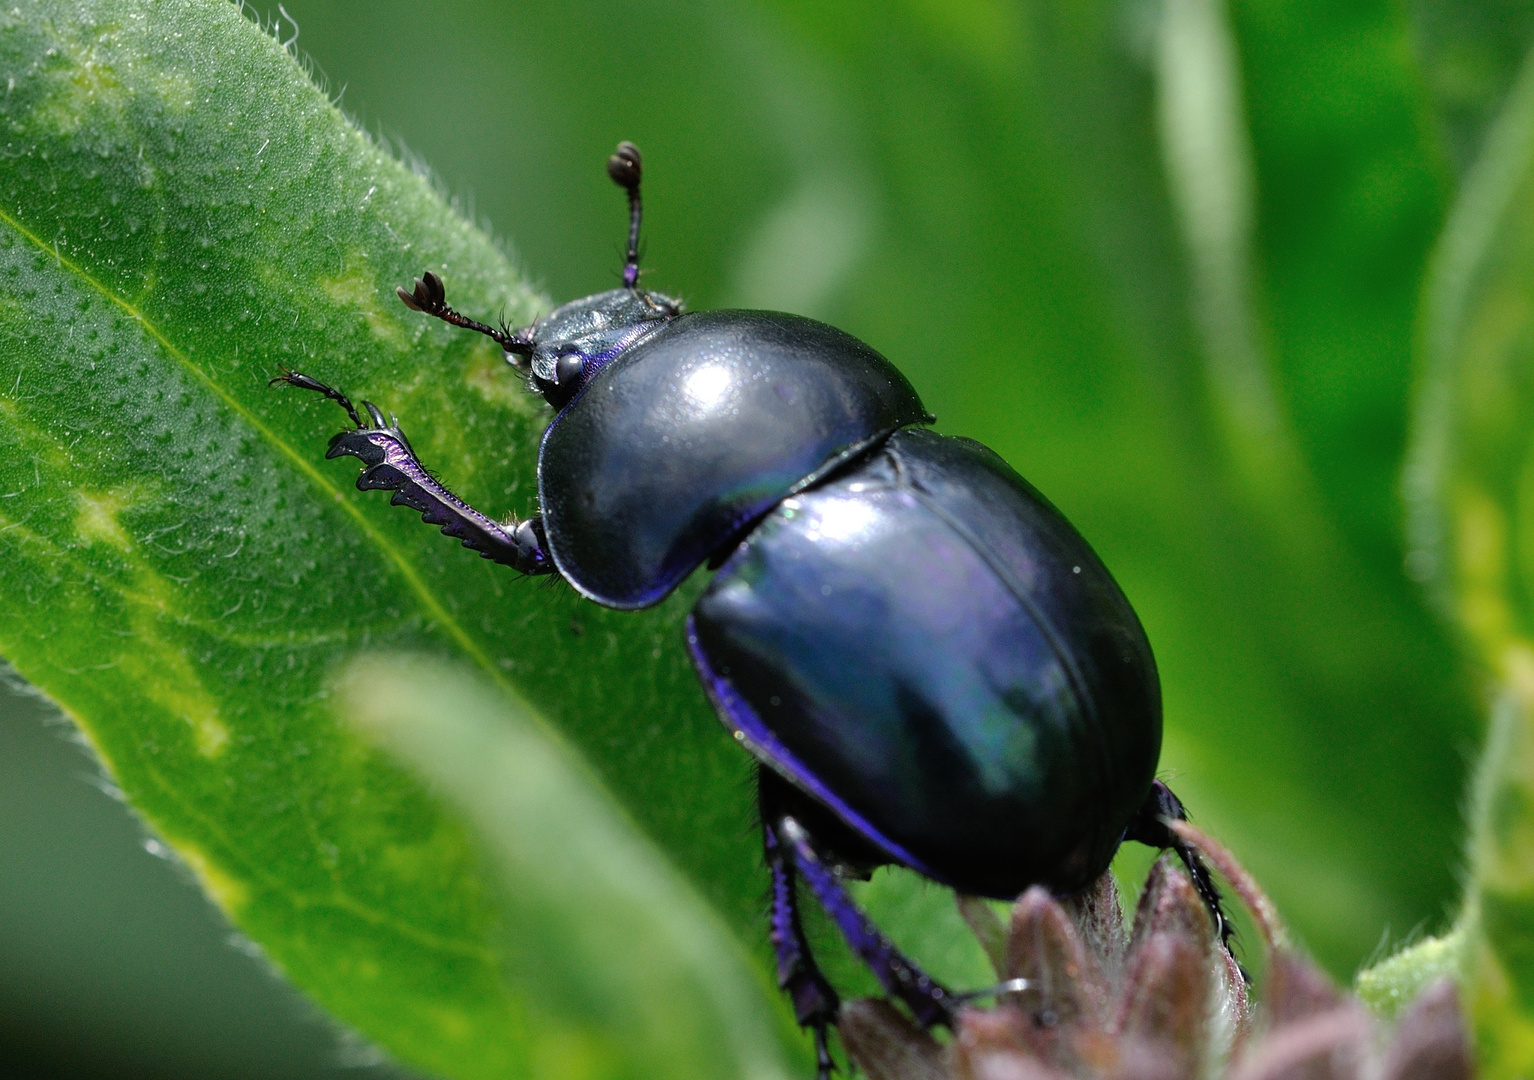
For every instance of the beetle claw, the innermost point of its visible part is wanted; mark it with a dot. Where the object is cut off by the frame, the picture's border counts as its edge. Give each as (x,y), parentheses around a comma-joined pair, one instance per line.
(298,379)
(289,377)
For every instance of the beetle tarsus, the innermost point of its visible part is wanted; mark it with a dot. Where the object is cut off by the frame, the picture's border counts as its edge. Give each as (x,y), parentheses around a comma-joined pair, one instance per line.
(1149,827)
(304,382)
(430,298)
(824,1064)
(815,1002)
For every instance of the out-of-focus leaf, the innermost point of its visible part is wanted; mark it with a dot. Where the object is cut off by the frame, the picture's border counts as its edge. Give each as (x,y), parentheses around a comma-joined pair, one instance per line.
(1471,484)
(1469,52)
(1394,983)
(625,970)
(182,213)
(1208,156)
(1351,192)
(1349,199)
(1498,920)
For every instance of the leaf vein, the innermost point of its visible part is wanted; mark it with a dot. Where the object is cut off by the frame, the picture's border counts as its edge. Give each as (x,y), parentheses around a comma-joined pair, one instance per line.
(433,607)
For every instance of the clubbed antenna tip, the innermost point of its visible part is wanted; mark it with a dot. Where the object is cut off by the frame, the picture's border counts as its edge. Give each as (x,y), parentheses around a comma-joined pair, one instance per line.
(626,167)
(430,297)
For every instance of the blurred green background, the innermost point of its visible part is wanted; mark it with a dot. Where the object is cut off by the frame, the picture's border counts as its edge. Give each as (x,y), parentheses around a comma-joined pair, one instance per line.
(1164,255)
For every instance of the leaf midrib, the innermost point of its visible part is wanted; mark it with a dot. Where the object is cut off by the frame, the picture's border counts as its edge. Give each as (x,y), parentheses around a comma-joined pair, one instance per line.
(339,899)
(417,586)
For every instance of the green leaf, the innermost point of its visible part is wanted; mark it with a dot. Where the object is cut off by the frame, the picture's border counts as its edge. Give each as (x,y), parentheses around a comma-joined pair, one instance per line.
(1471,485)
(1469,51)
(1351,193)
(1498,921)
(625,971)
(182,213)
(1394,983)
(1350,190)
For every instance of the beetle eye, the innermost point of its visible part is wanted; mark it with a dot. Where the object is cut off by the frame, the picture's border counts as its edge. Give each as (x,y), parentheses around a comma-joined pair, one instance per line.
(567,368)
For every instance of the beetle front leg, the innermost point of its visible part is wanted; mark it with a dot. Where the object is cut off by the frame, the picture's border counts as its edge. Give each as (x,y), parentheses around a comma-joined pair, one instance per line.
(391,465)
(929,1001)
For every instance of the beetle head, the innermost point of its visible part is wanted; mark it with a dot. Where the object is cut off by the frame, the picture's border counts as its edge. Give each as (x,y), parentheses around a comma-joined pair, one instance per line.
(576,340)
(564,350)
(573,342)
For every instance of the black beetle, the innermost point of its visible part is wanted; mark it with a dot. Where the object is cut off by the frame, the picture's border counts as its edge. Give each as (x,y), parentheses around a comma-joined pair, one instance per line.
(929,663)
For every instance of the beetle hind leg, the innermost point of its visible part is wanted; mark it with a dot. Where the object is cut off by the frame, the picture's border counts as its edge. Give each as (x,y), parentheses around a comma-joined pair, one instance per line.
(391,465)
(1149,827)
(929,1001)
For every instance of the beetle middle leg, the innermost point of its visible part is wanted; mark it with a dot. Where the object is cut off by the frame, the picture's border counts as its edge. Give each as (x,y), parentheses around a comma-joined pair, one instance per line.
(815,1003)
(391,465)
(789,842)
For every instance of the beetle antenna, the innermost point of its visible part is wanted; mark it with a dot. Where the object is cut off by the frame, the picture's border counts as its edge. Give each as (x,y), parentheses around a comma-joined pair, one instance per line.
(430,298)
(625,167)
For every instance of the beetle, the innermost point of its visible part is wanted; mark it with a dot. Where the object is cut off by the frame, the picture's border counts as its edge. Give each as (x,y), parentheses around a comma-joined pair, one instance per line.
(930,665)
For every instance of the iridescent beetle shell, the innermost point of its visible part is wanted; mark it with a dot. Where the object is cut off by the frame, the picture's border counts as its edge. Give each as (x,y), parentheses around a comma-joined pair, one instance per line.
(697,430)
(926,646)
(930,664)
